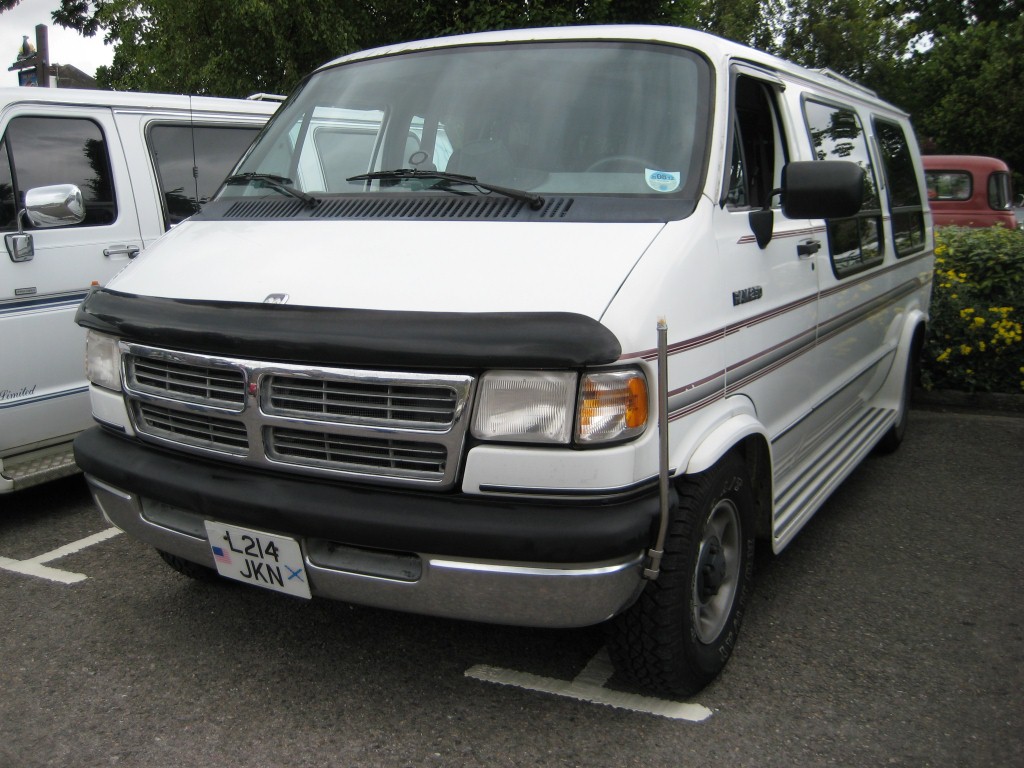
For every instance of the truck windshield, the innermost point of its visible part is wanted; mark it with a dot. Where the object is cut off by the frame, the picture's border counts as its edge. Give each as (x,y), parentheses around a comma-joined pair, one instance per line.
(590,118)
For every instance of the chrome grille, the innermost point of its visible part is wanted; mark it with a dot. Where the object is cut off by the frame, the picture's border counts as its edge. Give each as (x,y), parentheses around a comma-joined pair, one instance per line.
(198,430)
(393,428)
(182,381)
(353,401)
(356,454)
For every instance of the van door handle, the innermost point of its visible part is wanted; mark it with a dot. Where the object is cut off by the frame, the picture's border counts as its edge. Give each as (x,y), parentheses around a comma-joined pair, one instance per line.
(131,251)
(808,248)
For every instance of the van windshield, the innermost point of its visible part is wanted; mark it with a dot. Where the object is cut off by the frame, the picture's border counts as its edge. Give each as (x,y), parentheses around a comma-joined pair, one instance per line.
(546,118)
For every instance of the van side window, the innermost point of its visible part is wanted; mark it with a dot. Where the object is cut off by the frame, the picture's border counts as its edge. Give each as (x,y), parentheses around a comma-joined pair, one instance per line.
(903,187)
(837,134)
(8,209)
(62,150)
(192,161)
(759,148)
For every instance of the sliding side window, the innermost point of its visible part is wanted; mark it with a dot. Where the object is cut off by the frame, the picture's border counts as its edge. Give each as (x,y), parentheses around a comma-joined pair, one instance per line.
(903,187)
(836,133)
(192,162)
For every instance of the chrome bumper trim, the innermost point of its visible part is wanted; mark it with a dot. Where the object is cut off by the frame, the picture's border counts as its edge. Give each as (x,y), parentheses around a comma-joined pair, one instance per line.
(526,594)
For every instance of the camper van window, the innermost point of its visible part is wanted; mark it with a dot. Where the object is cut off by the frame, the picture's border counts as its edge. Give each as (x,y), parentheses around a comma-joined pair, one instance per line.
(212,150)
(8,209)
(903,188)
(836,133)
(63,150)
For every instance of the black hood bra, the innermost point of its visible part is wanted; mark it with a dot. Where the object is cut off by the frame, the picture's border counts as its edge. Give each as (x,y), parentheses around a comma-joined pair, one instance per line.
(353,337)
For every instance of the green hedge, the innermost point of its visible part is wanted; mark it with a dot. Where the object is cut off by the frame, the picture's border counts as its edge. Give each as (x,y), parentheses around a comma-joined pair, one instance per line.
(975,341)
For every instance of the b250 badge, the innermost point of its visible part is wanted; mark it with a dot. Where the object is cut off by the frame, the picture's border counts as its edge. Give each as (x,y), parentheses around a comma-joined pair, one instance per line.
(276,298)
(747,294)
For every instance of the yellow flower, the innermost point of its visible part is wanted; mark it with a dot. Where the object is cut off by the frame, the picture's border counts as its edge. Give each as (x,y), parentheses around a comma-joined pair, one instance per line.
(945,356)
(979,321)
(981,346)
(964,349)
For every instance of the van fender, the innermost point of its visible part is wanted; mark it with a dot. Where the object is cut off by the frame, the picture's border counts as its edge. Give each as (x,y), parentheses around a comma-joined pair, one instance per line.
(731,422)
(910,342)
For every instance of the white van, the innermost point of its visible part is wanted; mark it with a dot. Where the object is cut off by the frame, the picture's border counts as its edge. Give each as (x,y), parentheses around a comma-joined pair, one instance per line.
(141,163)
(547,329)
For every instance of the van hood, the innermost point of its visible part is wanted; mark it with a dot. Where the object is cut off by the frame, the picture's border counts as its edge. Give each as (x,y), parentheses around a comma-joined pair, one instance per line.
(395,265)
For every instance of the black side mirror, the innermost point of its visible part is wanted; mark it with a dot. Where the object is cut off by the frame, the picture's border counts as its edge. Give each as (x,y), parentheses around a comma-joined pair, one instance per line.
(813,189)
(822,189)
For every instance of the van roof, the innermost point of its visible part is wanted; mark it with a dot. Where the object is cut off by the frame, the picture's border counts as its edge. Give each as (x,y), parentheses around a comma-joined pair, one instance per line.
(130,100)
(718,49)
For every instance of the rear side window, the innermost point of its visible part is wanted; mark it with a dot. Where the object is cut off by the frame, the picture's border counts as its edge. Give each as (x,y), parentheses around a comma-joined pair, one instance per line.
(999,191)
(949,185)
(903,187)
(836,133)
(62,150)
(192,162)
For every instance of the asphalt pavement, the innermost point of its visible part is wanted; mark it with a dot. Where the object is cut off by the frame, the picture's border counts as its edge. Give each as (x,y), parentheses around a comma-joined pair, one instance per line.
(890,633)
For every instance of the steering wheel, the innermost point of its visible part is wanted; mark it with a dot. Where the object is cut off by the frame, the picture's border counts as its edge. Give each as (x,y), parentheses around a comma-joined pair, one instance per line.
(629,161)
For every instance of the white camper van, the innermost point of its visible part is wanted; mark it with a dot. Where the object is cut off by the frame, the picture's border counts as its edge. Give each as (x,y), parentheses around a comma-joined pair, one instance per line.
(141,163)
(543,328)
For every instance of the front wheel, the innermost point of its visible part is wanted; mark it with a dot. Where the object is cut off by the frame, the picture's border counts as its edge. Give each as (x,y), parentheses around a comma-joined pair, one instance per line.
(682,629)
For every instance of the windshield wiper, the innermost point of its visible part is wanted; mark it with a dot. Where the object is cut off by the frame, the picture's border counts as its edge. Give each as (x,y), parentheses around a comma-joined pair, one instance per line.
(277,183)
(535,201)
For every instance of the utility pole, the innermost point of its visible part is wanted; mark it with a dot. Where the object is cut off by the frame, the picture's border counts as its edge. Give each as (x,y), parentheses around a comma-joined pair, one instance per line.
(34,66)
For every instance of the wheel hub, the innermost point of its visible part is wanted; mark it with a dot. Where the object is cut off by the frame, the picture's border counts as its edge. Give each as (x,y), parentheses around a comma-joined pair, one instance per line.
(711,569)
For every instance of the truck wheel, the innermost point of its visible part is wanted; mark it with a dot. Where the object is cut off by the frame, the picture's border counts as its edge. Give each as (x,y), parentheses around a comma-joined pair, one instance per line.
(188,568)
(680,632)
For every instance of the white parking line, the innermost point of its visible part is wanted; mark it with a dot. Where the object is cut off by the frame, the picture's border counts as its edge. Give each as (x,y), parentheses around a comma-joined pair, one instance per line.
(36,567)
(588,685)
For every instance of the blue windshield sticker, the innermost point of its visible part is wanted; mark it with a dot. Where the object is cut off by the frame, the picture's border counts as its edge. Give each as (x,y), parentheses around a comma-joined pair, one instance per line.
(662,181)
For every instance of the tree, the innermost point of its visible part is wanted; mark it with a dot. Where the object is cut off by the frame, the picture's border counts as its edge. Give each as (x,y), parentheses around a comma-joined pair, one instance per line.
(969,96)
(865,40)
(217,47)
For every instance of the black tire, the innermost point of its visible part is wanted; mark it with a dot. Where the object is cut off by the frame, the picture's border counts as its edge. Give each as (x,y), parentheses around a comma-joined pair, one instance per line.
(672,641)
(893,437)
(188,568)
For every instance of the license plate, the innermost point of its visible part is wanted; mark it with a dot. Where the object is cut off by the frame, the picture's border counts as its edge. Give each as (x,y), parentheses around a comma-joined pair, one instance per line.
(262,559)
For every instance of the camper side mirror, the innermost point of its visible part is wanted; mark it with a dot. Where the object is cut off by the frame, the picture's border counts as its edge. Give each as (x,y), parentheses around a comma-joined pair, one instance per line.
(813,189)
(55,206)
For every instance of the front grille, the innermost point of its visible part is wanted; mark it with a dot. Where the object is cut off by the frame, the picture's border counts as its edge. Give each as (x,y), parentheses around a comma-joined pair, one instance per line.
(197,430)
(353,401)
(356,454)
(380,427)
(182,381)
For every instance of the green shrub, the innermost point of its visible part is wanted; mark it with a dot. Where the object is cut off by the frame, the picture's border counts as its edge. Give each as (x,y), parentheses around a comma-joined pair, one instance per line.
(975,335)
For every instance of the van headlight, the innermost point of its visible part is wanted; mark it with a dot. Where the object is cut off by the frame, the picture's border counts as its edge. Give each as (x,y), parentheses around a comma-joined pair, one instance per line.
(525,406)
(559,407)
(103,360)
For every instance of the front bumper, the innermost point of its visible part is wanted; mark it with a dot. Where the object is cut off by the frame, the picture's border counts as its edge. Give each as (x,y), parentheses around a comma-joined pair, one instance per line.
(498,561)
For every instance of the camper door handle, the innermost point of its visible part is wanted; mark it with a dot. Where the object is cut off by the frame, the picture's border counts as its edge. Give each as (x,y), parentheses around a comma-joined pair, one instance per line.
(808,248)
(131,251)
